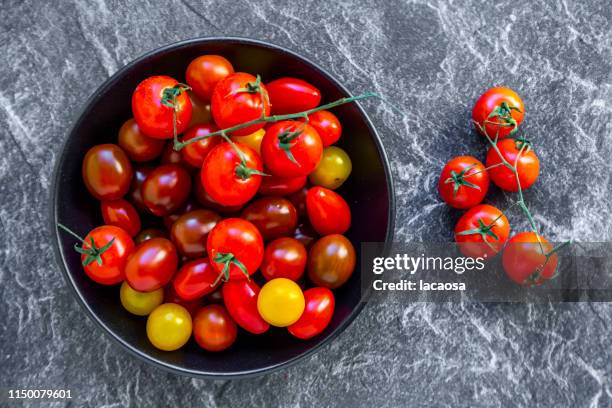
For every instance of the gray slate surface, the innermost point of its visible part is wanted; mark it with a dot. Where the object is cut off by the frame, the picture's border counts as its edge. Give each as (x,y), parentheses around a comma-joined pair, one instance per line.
(433,58)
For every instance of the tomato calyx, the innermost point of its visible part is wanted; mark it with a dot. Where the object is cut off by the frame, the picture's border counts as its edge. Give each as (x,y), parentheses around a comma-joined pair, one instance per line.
(284,142)
(484,231)
(251,87)
(245,172)
(503,112)
(523,144)
(459,179)
(93,252)
(227,259)
(170,94)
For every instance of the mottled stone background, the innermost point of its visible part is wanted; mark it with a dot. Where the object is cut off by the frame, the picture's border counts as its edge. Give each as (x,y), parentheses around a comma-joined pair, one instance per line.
(433,58)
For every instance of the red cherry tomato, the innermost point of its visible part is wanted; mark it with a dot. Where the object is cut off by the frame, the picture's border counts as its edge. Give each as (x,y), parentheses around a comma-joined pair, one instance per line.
(331,261)
(166,189)
(200,111)
(527,165)
(291,149)
(235,248)
(327,126)
(110,271)
(482,231)
(152,115)
(299,201)
(190,232)
(107,172)
(284,258)
(190,205)
(327,211)
(491,100)
(135,193)
(273,216)
(525,261)
(205,200)
(195,279)
(205,72)
(196,152)
(464,182)
(213,328)
(122,214)
(319,310)
(137,145)
(280,186)
(151,265)
(240,299)
(192,306)
(236,100)
(171,156)
(226,179)
(292,95)
(147,234)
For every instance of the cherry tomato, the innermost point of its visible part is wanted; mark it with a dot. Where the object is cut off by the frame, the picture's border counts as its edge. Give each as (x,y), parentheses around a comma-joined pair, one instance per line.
(151,265)
(273,216)
(214,329)
(190,232)
(171,156)
(280,186)
(204,199)
(331,261)
(196,152)
(153,115)
(524,259)
(200,111)
(236,100)
(195,279)
(253,140)
(320,304)
(228,181)
(327,211)
(205,72)
(169,326)
(305,234)
(135,193)
(291,149)
(140,303)
(190,205)
(327,126)
(333,170)
(240,298)
(482,231)
(284,258)
(299,201)
(192,306)
(147,234)
(107,172)
(292,95)
(137,145)
(464,182)
(527,165)
(166,189)
(110,270)
(122,214)
(280,302)
(491,101)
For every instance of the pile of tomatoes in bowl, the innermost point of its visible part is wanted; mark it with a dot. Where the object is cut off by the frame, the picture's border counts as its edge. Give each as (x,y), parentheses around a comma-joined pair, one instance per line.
(215,220)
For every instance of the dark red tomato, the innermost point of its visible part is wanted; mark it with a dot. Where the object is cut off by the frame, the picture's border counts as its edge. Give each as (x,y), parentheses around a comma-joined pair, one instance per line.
(240,299)
(273,216)
(200,112)
(153,115)
(331,261)
(464,182)
(235,248)
(327,126)
(137,145)
(171,156)
(151,265)
(122,214)
(196,152)
(147,234)
(190,232)
(195,279)
(280,186)
(135,194)
(192,306)
(107,172)
(292,95)
(305,234)
(518,155)
(110,271)
(291,149)
(299,201)
(525,260)
(189,205)
(213,328)
(319,310)
(216,296)
(284,258)
(205,72)
(205,200)
(506,106)
(166,189)
(236,100)
(226,179)
(482,231)
(327,211)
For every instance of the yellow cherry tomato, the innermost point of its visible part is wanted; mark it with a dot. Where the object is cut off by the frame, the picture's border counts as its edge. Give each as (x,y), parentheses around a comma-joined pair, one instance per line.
(140,303)
(253,140)
(280,302)
(169,326)
(333,170)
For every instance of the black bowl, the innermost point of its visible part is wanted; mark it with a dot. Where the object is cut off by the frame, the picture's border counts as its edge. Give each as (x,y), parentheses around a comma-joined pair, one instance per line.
(369,191)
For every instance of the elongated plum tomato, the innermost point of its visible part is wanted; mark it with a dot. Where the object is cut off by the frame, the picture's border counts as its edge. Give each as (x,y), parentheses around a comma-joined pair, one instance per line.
(190,232)
(292,95)
(114,259)
(151,265)
(280,186)
(464,182)
(333,170)
(284,258)
(169,326)
(226,179)
(524,259)
(319,310)
(107,172)
(327,126)
(291,149)
(137,145)
(235,248)
(327,211)
(240,299)
(213,328)
(196,152)
(507,103)
(151,110)
(140,303)
(205,72)
(122,214)
(195,279)
(273,216)
(238,99)
(527,165)
(280,302)
(331,261)
(166,189)
(482,231)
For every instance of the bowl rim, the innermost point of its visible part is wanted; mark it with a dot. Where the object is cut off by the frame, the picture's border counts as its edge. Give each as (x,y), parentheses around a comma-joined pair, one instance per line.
(59,255)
